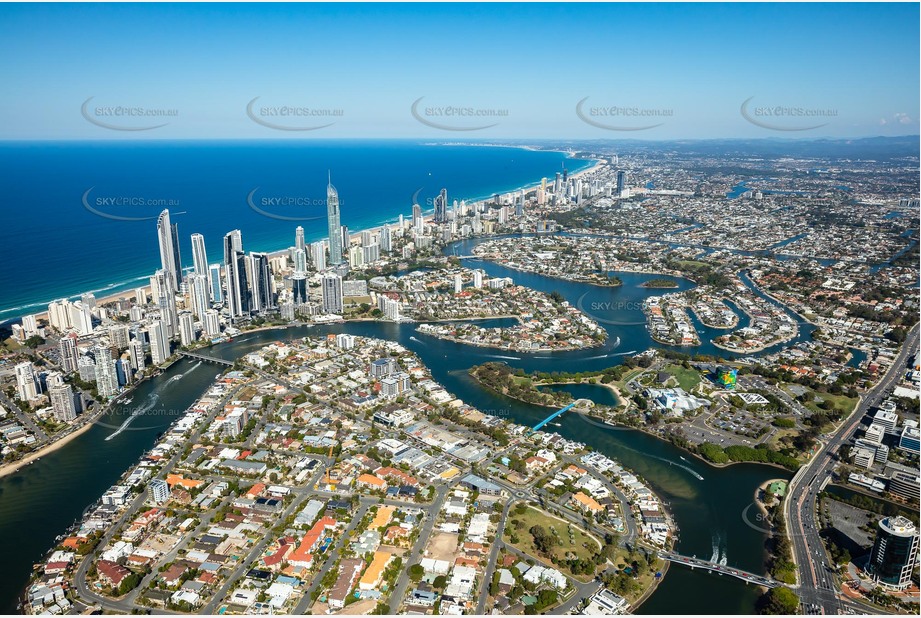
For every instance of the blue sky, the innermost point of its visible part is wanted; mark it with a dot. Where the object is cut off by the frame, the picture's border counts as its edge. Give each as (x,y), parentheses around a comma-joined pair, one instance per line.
(688,68)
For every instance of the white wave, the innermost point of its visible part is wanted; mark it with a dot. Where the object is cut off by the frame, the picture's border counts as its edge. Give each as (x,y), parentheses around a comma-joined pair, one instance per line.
(505,357)
(106,288)
(623,353)
(715,558)
(148,405)
(416,340)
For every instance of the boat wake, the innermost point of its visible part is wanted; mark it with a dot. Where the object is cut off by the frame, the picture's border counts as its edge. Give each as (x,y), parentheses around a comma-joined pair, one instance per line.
(687,469)
(720,555)
(184,373)
(148,405)
(623,353)
(505,357)
(715,540)
(416,340)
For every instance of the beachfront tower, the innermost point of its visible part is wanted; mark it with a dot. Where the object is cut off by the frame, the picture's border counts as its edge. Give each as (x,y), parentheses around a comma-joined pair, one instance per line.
(168,235)
(333,223)
(441,206)
(299,243)
(237,296)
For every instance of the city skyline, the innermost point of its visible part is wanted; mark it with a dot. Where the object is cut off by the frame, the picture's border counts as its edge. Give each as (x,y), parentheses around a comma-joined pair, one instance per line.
(612,310)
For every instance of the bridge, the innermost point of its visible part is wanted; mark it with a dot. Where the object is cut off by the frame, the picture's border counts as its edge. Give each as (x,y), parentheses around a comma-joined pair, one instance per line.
(721,569)
(205,359)
(553,416)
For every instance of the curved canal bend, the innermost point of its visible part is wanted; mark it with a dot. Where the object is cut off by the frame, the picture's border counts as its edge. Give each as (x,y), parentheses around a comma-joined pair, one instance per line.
(39,502)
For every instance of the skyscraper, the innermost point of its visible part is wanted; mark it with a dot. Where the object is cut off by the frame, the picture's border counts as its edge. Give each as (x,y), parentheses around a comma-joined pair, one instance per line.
(260,282)
(418,222)
(118,335)
(621,184)
(300,261)
(299,238)
(332,293)
(159,342)
(167,303)
(138,358)
(186,328)
(62,403)
(59,314)
(168,235)
(235,275)
(198,290)
(26,384)
(215,283)
(441,206)
(318,255)
(106,379)
(80,318)
(199,255)
(333,224)
(386,239)
(212,323)
(895,552)
(69,354)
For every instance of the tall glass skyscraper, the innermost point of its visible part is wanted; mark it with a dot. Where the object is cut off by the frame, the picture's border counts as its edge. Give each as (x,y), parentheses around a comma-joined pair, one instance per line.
(199,255)
(168,235)
(334,224)
(235,275)
(441,206)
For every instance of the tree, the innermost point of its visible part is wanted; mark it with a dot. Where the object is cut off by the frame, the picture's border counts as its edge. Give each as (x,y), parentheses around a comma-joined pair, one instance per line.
(128,584)
(780,600)
(416,572)
(34,341)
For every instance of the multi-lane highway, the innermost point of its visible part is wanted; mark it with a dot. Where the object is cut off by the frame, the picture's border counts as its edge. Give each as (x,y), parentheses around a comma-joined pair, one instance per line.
(817,585)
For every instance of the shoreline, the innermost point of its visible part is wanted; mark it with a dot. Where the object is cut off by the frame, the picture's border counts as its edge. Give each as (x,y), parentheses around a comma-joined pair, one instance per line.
(762,488)
(610,387)
(59,442)
(507,349)
(732,326)
(599,284)
(16,466)
(643,429)
(129,290)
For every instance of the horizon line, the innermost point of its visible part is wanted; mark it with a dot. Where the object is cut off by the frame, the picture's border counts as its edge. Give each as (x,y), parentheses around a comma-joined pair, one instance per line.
(456,140)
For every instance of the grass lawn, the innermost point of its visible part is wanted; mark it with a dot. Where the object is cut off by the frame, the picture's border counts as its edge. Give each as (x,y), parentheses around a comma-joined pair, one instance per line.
(11,345)
(582,545)
(839,401)
(691,263)
(688,379)
(622,383)
(777,438)
(521,380)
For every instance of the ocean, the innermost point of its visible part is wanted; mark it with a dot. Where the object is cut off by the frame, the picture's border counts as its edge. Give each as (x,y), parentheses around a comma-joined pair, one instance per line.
(81,216)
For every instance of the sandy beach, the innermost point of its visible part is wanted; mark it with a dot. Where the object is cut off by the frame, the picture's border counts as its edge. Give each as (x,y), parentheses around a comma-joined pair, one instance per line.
(10,468)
